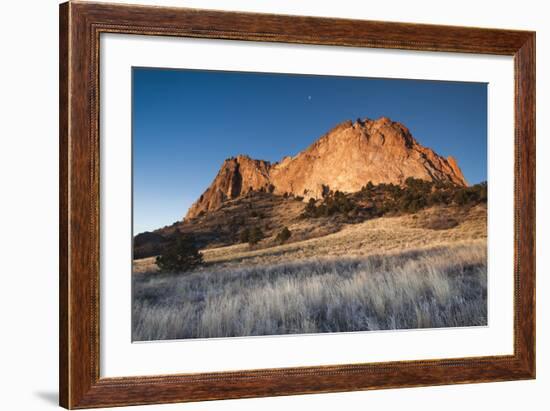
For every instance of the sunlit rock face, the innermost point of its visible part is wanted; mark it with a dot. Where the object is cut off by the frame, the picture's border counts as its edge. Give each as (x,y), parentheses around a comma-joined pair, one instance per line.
(346,158)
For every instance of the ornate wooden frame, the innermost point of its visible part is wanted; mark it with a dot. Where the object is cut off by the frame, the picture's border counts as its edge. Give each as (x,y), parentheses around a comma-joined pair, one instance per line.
(80,27)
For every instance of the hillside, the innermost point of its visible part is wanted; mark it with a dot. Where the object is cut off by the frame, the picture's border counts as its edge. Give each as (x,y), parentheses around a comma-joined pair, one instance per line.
(318,218)
(432,227)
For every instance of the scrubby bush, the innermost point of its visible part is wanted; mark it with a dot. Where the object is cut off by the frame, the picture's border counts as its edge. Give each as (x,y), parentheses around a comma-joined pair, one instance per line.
(181,256)
(376,200)
(461,197)
(333,203)
(244,236)
(471,195)
(255,235)
(310,209)
(418,185)
(338,203)
(252,235)
(283,235)
(238,220)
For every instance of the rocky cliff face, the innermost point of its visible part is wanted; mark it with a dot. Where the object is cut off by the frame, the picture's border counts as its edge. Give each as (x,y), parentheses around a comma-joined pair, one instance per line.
(345,159)
(236,177)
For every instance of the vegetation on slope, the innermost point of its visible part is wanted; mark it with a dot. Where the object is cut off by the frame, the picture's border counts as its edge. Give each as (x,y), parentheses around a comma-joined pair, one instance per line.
(261,216)
(378,200)
(181,256)
(262,211)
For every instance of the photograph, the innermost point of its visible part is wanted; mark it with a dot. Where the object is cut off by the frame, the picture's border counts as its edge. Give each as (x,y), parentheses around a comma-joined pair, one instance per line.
(271,204)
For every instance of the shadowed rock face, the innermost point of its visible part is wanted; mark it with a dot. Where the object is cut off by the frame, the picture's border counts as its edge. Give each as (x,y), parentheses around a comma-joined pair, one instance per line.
(345,159)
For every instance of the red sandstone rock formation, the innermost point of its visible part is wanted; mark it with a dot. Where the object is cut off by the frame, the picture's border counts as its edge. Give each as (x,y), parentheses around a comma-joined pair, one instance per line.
(345,159)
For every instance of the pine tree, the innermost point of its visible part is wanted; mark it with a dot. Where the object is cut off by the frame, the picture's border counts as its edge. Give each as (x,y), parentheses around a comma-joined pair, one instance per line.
(181,256)
(245,235)
(256,234)
(283,235)
(310,209)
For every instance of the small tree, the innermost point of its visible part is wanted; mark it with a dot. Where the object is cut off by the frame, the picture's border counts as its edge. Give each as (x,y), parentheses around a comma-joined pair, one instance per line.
(256,234)
(245,235)
(310,209)
(461,197)
(181,256)
(482,191)
(283,235)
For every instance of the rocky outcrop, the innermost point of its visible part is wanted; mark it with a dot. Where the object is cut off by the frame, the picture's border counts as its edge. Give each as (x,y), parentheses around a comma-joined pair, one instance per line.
(237,176)
(345,159)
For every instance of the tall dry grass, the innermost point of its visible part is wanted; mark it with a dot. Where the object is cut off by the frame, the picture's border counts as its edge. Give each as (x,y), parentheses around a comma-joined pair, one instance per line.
(443,286)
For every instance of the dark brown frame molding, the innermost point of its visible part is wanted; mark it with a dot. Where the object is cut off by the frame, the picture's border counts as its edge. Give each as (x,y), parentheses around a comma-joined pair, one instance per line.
(81,24)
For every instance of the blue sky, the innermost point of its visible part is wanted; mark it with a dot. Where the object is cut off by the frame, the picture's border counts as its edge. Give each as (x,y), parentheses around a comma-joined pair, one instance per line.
(185,123)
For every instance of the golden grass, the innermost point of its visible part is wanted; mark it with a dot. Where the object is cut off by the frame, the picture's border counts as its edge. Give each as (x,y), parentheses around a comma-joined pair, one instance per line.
(441,286)
(385,273)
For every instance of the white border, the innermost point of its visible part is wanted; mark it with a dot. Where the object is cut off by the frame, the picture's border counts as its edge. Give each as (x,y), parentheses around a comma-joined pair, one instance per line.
(119,357)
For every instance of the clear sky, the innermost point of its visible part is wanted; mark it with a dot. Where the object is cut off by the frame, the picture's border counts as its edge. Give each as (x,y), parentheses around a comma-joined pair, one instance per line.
(186,123)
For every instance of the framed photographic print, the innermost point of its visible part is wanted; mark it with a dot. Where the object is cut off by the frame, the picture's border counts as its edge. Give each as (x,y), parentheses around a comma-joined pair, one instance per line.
(258,205)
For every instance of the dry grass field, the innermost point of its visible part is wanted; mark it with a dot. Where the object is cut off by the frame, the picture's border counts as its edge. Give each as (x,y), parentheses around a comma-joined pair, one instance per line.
(413,271)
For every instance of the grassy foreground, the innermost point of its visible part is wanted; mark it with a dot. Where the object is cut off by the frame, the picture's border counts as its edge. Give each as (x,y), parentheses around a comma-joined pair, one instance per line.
(428,287)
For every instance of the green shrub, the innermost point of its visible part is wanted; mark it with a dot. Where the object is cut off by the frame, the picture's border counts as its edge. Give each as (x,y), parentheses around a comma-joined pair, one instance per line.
(376,200)
(244,236)
(310,210)
(283,235)
(256,234)
(238,220)
(418,185)
(461,197)
(181,256)
(471,195)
